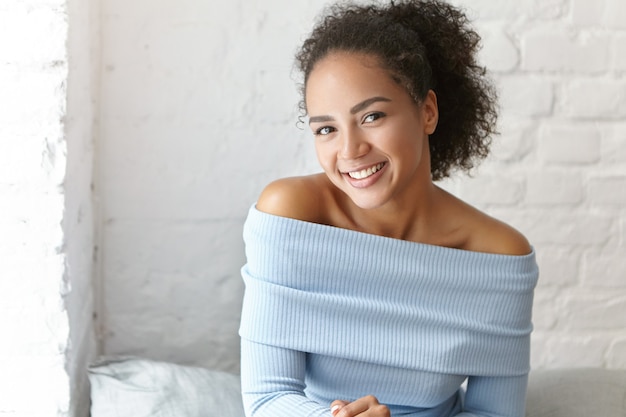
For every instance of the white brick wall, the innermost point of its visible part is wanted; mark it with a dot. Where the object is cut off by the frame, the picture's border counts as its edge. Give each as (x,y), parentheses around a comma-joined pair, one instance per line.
(45,211)
(199,112)
(564,105)
(33,321)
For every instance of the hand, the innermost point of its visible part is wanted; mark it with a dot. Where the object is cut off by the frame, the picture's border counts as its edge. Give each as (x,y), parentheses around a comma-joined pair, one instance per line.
(365,406)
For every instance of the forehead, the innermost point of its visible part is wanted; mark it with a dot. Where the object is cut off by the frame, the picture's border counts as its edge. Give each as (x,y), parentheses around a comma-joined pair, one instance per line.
(339,65)
(351,77)
(345,70)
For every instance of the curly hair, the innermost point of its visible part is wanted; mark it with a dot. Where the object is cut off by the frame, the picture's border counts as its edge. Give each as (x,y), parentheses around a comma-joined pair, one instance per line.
(425,45)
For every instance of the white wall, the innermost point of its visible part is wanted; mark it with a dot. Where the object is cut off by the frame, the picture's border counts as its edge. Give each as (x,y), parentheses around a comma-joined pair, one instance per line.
(198,112)
(558,172)
(46,220)
(79,220)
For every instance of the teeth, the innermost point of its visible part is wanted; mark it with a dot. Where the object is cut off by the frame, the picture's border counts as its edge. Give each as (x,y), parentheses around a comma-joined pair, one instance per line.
(364,173)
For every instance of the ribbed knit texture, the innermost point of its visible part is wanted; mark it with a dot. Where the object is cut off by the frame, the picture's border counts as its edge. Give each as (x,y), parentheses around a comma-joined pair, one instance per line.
(403,321)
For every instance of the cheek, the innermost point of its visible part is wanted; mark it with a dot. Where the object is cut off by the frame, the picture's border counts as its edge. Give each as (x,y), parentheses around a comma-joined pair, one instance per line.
(418,149)
(408,148)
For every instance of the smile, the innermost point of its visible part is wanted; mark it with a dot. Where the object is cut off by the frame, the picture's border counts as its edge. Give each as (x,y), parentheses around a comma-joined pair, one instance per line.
(364,173)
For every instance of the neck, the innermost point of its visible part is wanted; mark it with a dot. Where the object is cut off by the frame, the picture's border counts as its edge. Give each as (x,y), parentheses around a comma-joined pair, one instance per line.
(405,218)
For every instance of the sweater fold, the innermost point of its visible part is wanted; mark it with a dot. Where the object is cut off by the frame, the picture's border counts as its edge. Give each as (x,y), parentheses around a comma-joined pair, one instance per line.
(360,297)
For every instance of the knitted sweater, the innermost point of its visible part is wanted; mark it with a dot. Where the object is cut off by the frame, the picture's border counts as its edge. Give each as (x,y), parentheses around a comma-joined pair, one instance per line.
(331,313)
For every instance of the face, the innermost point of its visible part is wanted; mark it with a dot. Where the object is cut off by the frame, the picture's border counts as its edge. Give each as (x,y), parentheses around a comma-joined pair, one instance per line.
(371,138)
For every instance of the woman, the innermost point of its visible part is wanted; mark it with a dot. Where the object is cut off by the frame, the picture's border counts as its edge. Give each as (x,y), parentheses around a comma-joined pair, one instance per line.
(370,291)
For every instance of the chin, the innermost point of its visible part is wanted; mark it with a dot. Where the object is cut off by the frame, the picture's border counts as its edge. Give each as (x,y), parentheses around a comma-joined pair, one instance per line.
(367,203)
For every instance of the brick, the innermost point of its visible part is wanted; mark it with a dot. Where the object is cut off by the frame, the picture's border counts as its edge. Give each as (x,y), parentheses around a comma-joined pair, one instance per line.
(595,99)
(24,376)
(618,62)
(605,267)
(31,172)
(558,266)
(526,95)
(615,17)
(569,144)
(35,164)
(33,102)
(557,51)
(544,308)
(525,10)
(607,191)
(546,9)
(559,227)
(588,13)
(613,139)
(41,31)
(594,311)
(575,351)
(554,188)
(20,158)
(27,292)
(492,190)
(499,53)
(487,10)
(517,139)
(13,5)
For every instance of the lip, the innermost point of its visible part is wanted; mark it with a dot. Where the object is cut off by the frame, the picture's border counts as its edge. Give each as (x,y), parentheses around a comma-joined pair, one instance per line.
(365,182)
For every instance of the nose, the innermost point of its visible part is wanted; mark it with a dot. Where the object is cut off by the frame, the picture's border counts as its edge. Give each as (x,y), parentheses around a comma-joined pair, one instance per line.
(353,144)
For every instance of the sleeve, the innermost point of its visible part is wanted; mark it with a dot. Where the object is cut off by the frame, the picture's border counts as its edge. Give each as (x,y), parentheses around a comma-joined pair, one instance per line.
(495,397)
(272,383)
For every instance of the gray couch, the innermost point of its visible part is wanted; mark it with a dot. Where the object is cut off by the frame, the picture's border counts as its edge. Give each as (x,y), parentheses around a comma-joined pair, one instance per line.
(577,393)
(132,387)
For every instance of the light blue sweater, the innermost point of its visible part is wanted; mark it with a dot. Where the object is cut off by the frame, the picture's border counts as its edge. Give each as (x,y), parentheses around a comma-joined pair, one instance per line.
(331,313)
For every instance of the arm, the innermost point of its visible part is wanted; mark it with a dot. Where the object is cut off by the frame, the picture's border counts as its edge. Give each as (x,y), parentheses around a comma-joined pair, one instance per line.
(272,378)
(272,383)
(495,397)
(485,397)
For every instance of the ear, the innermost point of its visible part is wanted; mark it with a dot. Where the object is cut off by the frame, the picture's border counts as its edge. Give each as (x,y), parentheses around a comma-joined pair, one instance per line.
(430,112)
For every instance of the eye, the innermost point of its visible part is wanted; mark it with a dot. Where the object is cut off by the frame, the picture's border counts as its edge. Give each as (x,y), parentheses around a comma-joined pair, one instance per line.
(372,117)
(326,130)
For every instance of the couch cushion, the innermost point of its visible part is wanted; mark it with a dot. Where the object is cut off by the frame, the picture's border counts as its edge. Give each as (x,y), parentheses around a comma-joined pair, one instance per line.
(576,393)
(132,387)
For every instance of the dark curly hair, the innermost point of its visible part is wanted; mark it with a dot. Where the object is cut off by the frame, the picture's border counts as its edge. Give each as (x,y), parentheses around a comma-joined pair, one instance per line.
(425,45)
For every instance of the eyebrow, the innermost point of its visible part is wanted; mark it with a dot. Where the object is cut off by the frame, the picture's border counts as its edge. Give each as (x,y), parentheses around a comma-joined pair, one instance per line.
(355,109)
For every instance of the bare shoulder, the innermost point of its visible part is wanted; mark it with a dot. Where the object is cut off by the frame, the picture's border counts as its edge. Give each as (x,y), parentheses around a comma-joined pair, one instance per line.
(500,238)
(293,197)
(479,232)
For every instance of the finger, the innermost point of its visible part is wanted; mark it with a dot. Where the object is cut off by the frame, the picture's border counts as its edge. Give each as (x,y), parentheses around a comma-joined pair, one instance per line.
(380,411)
(357,407)
(337,405)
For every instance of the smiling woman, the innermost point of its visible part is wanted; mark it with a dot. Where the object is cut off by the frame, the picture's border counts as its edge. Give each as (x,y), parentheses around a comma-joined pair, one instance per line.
(370,291)
(375,151)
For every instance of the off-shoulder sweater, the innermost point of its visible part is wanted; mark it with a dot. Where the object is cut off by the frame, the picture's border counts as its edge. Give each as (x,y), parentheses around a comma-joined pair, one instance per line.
(330,313)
